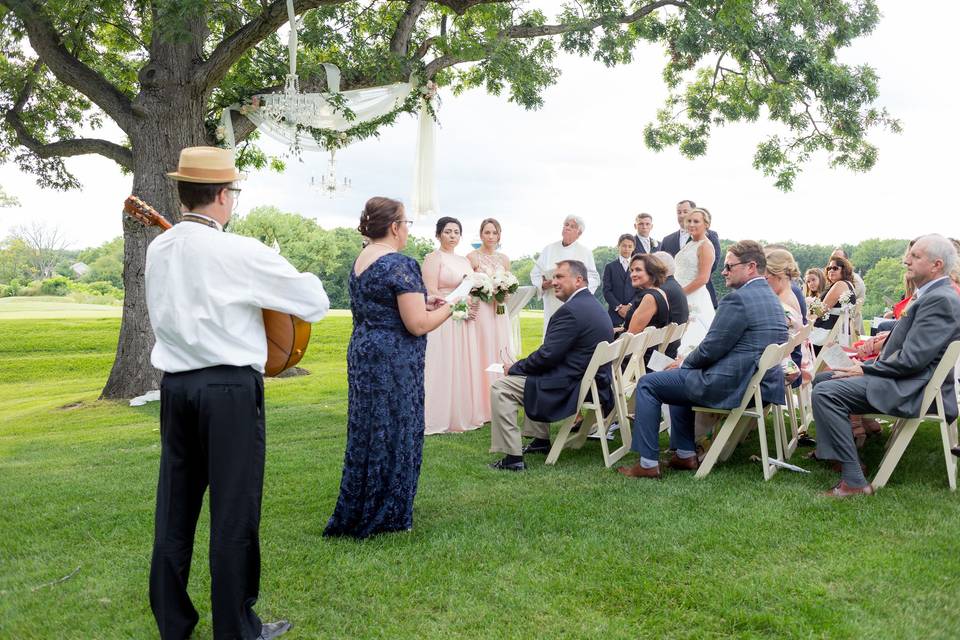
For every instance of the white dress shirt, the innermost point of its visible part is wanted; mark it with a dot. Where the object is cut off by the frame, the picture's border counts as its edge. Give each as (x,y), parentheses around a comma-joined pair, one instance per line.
(206,291)
(625,263)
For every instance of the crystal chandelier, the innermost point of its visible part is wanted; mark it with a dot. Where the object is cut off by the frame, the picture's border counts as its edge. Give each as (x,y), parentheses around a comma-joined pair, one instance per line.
(327,184)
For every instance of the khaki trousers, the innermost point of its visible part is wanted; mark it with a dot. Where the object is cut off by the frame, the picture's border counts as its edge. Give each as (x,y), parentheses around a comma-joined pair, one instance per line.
(506,399)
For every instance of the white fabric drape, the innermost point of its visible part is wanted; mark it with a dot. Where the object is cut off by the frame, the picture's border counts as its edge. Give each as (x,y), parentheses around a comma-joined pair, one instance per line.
(279,114)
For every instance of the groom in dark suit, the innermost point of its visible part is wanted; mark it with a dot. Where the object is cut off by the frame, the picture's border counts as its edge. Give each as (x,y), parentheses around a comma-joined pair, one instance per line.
(716,373)
(672,243)
(643,242)
(894,383)
(547,382)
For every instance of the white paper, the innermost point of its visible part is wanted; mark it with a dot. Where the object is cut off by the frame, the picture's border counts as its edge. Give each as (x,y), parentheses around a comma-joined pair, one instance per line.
(658,362)
(786,465)
(462,291)
(836,358)
(496,367)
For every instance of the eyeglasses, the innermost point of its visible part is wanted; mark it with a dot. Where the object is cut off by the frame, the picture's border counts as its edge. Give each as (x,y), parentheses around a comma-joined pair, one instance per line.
(728,267)
(409,223)
(236,195)
(834,268)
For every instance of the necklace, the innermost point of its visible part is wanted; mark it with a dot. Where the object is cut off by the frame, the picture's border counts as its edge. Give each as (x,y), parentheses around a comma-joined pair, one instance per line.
(384,245)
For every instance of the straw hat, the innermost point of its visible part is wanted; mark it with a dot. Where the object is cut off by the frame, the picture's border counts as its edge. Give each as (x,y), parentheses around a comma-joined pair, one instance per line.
(206,165)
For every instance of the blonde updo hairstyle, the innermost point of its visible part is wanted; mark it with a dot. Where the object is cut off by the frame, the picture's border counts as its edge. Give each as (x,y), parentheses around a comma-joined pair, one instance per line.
(707,218)
(780,262)
(377,216)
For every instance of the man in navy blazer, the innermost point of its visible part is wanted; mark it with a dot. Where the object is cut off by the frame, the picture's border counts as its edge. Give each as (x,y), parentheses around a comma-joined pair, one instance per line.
(894,383)
(716,373)
(547,382)
(617,289)
(673,242)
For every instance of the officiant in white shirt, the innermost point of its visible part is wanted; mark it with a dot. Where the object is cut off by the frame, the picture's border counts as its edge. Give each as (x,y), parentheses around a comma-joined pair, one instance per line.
(568,248)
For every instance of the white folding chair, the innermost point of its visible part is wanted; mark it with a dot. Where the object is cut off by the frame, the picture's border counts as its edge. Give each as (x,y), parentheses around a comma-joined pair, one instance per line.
(795,401)
(737,421)
(605,354)
(831,336)
(931,409)
(674,332)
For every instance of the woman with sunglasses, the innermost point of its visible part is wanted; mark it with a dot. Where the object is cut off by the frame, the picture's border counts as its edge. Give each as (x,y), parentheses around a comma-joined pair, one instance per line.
(840,292)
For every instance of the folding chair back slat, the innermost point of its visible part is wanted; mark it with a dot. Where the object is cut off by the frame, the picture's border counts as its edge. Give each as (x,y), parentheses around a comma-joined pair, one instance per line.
(738,420)
(606,353)
(931,408)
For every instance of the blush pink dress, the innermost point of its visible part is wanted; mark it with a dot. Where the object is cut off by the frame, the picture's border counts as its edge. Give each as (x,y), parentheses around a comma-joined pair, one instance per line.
(493,330)
(457,394)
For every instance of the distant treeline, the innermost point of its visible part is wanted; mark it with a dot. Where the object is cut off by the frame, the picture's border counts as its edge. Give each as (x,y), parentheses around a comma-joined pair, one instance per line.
(330,253)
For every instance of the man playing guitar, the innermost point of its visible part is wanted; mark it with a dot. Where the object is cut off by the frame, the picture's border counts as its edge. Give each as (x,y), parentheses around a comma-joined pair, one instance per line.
(205,293)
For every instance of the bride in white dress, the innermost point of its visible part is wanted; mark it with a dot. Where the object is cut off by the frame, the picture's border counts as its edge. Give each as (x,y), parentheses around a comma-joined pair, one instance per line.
(694,264)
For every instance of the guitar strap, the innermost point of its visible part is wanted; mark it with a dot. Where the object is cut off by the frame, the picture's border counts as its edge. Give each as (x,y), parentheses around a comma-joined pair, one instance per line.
(189,217)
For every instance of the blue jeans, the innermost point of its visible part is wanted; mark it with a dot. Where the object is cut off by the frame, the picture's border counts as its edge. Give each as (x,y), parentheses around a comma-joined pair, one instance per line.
(654,390)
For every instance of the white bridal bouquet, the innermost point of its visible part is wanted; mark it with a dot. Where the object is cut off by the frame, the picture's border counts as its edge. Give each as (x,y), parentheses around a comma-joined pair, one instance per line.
(504,284)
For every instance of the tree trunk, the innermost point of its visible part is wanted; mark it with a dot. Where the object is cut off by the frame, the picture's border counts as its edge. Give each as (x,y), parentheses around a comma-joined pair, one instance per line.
(170,117)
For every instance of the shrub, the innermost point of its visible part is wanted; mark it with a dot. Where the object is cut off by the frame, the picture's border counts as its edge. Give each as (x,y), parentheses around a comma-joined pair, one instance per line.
(56,286)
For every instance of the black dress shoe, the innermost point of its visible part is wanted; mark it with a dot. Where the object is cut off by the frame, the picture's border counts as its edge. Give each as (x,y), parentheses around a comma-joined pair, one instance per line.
(806,441)
(955,451)
(537,446)
(503,465)
(274,629)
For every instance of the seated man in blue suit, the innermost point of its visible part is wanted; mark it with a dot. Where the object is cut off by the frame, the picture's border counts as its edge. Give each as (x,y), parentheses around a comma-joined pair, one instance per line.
(893,383)
(716,373)
(547,382)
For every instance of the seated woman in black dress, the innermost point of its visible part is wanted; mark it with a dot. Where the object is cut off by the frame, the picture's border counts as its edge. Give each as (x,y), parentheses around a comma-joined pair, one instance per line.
(649,307)
(391,317)
(839,273)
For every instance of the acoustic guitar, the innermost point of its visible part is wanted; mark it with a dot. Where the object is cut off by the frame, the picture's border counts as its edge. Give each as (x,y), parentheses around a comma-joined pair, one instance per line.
(287,335)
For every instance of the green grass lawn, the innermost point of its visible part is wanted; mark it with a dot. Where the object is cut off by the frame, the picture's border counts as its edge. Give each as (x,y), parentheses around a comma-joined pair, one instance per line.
(573,551)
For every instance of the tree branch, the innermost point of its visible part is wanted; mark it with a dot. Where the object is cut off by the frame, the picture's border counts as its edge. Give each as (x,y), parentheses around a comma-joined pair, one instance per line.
(424,47)
(519,31)
(232,48)
(46,42)
(62,148)
(400,41)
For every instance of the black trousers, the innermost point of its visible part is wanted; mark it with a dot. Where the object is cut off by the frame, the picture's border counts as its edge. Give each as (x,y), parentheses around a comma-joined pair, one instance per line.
(212,433)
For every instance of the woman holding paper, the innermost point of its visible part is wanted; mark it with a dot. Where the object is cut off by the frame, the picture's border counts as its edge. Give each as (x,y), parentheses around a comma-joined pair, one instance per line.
(391,317)
(457,389)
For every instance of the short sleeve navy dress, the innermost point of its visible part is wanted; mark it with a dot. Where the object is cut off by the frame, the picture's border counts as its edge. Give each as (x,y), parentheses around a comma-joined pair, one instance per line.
(381,466)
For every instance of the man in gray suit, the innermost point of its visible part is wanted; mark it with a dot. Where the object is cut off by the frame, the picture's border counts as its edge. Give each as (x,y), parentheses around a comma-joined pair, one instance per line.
(894,383)
(717,372)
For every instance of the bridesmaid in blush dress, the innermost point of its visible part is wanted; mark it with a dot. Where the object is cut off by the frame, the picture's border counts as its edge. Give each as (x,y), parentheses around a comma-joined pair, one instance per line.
(493,329)
(457,395)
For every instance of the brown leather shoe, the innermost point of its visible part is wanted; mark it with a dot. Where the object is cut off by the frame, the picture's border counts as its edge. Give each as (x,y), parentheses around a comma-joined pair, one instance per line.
(843,490)
(683,464)
(639,471)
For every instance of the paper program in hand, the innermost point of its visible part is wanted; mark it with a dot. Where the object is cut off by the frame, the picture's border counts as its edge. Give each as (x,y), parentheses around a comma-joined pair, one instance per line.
(836,358)
(496,367)
(462,291)
(658,361)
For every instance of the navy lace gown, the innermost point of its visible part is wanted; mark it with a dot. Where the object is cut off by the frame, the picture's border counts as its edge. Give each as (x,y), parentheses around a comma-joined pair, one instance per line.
(385,404)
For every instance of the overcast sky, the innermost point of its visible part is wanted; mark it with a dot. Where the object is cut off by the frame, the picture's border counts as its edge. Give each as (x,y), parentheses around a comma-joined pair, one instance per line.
(583,153)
